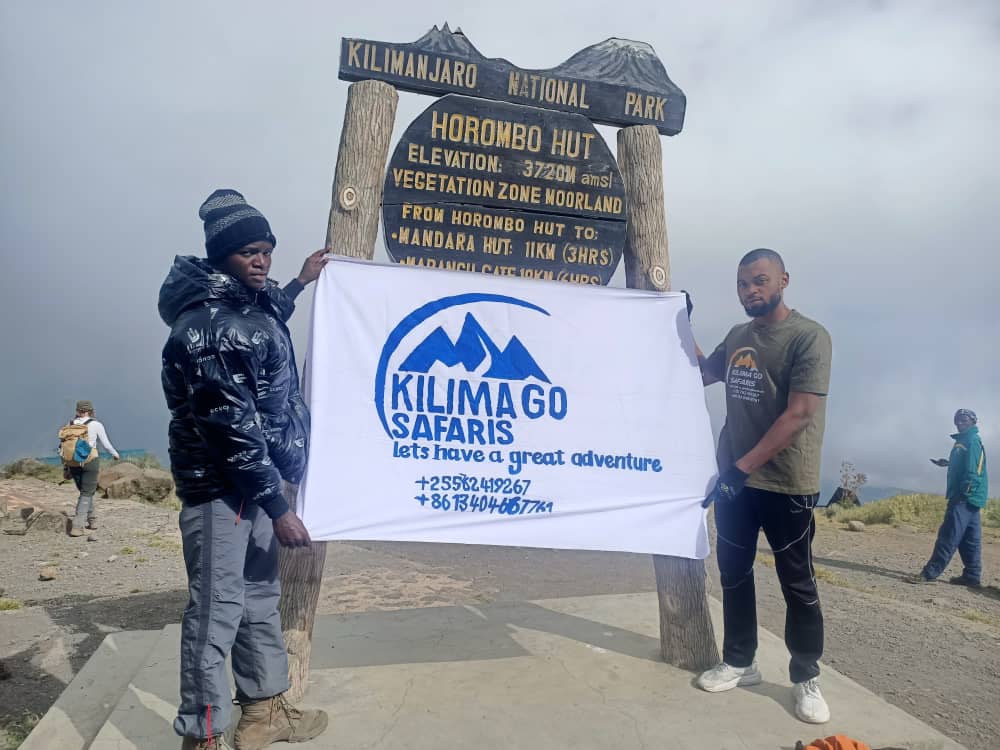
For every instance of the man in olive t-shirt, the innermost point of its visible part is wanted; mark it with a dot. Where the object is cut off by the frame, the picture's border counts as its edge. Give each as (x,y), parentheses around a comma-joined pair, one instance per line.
(776,370)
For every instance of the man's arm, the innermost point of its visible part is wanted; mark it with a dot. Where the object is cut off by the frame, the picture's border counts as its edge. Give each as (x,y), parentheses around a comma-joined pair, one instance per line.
(974,469)
(309,273)
(709,370)
(798,415)
(709,367)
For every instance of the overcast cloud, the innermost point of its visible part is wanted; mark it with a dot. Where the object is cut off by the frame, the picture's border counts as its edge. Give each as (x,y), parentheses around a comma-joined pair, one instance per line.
(857,138)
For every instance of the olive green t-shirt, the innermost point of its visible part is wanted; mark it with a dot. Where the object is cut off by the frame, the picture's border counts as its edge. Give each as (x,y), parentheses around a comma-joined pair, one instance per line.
(760,364)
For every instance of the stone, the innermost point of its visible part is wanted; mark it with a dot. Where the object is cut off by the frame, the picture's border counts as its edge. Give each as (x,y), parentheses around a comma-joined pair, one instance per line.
(119,489)
(112,558)
(855,526)
(48,573)
(155,485)
(125,480)
(92,537)
(118,480)
(45,520)
(113,471)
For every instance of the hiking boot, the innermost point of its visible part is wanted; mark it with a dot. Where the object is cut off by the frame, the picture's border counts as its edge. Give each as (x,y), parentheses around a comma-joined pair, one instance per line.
(918,578)
(216,743)
(809,704)
(963,581)
(276,720)
(76,529)
(92,524)
(726,677)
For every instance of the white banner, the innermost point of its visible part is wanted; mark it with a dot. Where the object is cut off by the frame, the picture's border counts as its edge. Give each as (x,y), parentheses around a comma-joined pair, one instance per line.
(460,407)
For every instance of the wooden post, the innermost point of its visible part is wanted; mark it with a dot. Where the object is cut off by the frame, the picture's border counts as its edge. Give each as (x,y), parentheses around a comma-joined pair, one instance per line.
(687,639)
(351,230)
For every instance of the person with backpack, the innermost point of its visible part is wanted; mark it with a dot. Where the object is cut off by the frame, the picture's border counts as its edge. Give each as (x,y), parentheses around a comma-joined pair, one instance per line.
(239,427)
(78,449)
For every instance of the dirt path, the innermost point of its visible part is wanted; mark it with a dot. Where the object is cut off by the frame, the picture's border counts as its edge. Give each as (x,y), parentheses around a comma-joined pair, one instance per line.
(933,650)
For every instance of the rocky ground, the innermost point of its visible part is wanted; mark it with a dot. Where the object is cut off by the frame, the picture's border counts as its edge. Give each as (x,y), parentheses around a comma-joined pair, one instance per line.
(934,650)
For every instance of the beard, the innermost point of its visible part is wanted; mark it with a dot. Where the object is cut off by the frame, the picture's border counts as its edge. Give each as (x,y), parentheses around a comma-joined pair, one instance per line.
(760,309)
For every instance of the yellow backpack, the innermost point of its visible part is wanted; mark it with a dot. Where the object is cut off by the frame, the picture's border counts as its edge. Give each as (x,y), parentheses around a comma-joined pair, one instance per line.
(74,448)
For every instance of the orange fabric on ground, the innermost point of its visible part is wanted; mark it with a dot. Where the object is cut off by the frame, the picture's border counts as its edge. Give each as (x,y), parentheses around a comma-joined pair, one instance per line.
(837,742)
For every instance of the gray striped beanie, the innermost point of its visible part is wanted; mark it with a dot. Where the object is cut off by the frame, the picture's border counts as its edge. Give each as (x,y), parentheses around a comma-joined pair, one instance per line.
(231,223)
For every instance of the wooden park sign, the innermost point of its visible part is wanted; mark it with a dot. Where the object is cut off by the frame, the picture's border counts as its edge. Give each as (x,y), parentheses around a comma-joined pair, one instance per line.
(616,82)
(505,189)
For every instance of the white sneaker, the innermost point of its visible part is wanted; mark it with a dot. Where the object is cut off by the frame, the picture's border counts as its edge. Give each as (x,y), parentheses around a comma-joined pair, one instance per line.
(726,677)
(809,704)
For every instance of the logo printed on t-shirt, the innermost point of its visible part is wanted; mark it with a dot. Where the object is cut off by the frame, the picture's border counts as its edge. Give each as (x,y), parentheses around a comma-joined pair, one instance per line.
(743,377)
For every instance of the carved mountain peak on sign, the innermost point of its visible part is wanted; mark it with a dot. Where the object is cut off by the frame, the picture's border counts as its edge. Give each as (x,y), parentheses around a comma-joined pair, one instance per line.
(620,61)
(471,349)
(448,41)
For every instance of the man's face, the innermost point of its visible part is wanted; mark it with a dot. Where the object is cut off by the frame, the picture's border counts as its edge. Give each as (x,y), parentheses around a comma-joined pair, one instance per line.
(251,264)
(963,423)
(759,286)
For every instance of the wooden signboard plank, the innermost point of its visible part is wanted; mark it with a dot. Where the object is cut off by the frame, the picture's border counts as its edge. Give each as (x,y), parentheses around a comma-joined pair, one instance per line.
(505,189)
(616,82)
(460,237)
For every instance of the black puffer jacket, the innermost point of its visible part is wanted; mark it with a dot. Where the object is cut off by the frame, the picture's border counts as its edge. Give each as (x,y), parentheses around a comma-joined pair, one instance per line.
(238,422)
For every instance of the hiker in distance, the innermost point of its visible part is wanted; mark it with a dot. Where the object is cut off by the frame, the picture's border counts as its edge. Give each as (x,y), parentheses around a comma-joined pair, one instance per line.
(776,370)
(966,490)
(85,466)
(238,427)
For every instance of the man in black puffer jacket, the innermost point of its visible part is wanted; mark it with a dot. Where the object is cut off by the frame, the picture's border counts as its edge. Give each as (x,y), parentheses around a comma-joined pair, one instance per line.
(238,427)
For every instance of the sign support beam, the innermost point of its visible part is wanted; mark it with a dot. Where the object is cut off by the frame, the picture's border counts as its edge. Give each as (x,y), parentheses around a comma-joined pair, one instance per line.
(687,639)
(351,230)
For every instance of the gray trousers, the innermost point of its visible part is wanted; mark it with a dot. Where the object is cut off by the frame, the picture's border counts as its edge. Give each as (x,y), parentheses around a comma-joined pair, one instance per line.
(85,479)
(232,569)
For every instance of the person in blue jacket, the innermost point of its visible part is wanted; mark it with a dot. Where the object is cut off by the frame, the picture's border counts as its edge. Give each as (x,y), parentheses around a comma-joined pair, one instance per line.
(966,491)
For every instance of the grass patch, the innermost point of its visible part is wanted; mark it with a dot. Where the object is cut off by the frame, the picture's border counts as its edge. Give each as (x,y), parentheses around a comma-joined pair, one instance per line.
(144,461)
(822,574)
(16,731)
(9,605)
(127,551)
(154,541)
(171,501)
(924,512)
(974,616)
(30,468)
(828,576)
(141,559)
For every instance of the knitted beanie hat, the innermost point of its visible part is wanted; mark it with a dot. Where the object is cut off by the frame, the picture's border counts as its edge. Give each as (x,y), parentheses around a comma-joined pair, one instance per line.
(231,223)
(968,413)
(85,406)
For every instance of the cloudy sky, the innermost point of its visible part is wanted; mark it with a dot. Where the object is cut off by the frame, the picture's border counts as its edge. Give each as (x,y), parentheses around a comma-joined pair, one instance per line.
(854,137)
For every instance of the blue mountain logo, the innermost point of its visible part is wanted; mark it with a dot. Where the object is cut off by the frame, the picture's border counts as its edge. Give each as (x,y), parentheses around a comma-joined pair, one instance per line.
(473,346)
